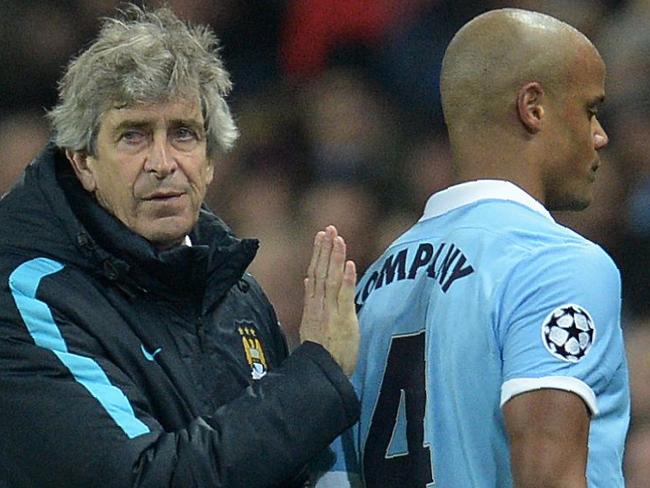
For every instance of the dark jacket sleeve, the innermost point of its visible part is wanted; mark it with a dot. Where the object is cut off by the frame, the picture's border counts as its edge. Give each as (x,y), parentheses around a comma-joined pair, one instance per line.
(55,433)
(283,421)
(75,420)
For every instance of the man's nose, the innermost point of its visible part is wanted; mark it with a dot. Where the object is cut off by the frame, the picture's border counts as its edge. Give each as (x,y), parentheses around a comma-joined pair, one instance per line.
(161,159)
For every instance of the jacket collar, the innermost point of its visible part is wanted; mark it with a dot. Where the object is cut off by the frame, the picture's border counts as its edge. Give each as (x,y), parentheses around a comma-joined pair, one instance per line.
(50,214)
(475,191)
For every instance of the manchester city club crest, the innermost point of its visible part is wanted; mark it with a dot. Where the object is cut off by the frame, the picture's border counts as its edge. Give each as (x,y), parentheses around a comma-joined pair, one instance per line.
(253,349)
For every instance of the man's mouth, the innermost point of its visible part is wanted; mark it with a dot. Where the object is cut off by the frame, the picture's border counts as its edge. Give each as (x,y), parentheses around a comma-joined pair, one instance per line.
(163,195)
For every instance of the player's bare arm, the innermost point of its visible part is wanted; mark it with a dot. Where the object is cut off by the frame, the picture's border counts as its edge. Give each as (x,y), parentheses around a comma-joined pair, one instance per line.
(329,317)
(548,431)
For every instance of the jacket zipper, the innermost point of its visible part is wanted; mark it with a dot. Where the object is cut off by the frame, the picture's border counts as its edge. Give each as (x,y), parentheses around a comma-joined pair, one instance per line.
(200,332)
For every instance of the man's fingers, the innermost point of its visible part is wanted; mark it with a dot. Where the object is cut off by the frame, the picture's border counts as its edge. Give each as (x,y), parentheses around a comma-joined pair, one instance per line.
(318,244)
(322,263)
(335,272)
(348,284)
(310,281)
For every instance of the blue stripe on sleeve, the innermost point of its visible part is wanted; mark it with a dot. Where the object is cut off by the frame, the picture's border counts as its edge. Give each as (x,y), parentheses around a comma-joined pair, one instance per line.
(24,282)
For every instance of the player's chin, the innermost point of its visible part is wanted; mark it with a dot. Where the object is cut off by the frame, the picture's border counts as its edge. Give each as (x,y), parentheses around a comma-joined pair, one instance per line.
(582,201)
(574,201)
(583,198)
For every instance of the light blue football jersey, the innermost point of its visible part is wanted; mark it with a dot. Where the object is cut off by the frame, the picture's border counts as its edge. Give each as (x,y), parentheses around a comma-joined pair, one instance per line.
(484,298)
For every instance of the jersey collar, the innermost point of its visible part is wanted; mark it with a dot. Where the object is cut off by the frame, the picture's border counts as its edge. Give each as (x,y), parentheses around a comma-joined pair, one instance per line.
(473,191)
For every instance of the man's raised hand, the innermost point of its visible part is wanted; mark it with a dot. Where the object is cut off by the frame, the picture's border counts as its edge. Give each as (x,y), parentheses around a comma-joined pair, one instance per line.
(329,317)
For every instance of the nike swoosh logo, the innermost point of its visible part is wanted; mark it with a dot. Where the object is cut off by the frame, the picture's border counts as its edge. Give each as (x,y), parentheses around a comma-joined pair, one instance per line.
(149,356)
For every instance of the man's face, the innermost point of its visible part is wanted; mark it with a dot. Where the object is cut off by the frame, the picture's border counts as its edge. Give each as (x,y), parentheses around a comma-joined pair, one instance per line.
(151,169)
(577,135)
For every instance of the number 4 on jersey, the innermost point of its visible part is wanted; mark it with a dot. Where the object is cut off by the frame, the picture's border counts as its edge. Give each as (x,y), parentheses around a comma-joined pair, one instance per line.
(395,455)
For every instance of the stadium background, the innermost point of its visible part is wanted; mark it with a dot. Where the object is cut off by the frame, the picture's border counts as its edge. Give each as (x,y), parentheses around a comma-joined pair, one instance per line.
(337,102)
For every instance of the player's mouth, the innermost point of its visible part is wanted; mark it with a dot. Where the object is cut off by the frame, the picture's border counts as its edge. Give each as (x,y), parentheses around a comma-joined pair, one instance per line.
(594,168)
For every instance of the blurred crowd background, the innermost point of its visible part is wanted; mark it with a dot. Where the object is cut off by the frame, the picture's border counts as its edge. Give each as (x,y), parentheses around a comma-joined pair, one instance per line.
(338,106)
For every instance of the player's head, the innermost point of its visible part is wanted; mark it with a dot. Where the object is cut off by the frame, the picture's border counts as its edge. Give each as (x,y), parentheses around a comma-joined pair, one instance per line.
(521,89)
(143,57)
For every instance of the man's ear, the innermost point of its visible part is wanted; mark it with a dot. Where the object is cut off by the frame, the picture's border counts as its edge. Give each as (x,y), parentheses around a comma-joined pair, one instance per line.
(209,175)
(530,108)
(79,162)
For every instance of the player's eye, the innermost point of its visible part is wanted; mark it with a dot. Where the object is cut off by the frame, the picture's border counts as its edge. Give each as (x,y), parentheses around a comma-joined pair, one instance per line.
(592,112)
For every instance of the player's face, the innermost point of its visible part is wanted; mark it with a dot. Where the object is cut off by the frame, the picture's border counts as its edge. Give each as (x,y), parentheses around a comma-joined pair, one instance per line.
(151,169)
(577,135)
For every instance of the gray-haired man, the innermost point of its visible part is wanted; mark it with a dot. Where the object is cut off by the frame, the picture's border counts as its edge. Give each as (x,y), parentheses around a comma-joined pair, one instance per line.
(134,348)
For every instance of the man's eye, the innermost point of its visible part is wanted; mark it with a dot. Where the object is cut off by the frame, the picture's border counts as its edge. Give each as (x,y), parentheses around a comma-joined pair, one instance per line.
(132,136)
(185,134)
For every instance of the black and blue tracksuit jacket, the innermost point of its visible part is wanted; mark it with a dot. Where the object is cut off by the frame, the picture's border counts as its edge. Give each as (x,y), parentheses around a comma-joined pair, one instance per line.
(121,366)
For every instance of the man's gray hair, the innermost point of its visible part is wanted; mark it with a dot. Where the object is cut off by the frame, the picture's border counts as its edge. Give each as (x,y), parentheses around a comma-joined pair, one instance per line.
(143,57)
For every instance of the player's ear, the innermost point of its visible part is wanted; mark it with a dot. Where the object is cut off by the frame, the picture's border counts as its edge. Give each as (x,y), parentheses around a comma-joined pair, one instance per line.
(530,108)
(79,162)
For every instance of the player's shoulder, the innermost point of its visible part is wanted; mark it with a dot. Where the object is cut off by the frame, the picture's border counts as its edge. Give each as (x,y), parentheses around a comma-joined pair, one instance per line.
(534,244)
(564,244)
(567,256)
(535,233)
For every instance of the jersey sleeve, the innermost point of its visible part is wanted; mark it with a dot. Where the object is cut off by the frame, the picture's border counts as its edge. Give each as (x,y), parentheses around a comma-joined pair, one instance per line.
(558,323)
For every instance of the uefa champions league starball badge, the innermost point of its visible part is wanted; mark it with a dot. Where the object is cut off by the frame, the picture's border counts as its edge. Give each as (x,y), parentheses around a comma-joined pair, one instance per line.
(568,332)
